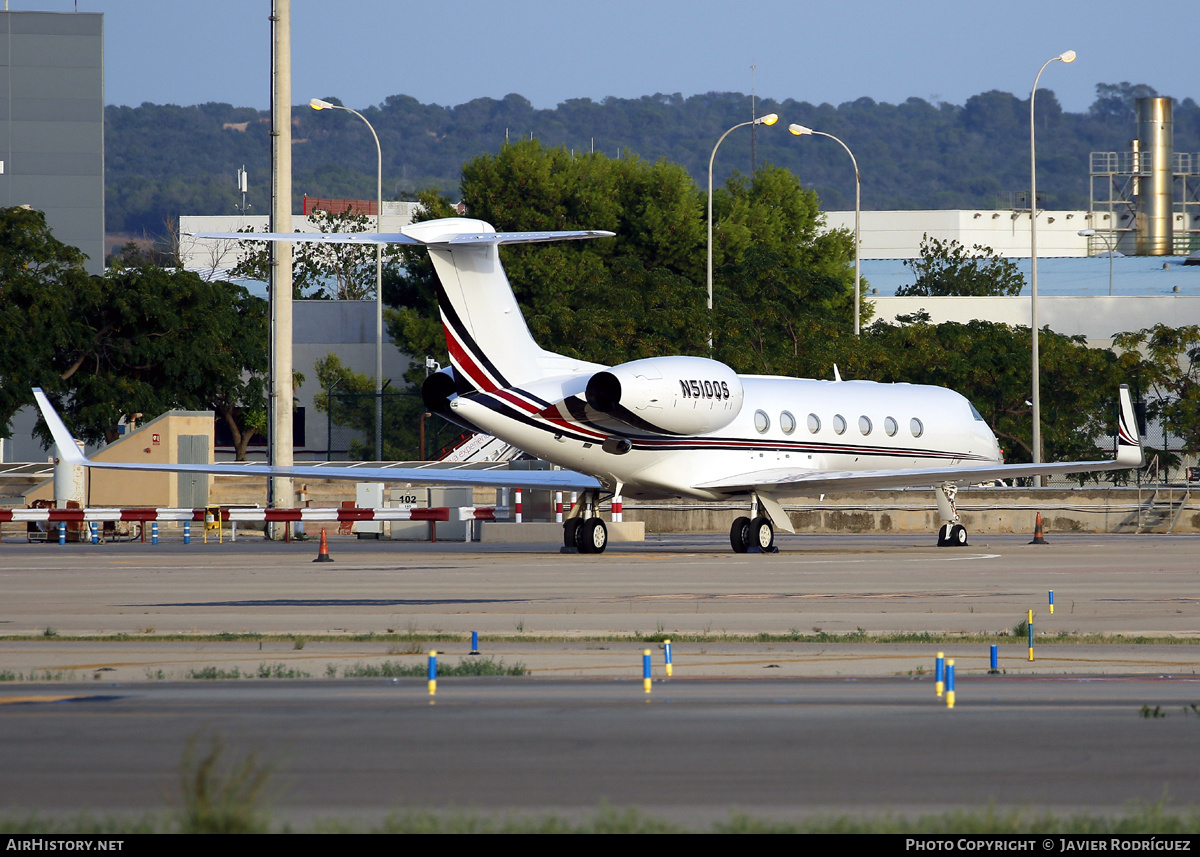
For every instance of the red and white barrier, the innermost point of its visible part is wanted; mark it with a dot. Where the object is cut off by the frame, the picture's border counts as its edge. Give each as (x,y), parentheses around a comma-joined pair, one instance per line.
(558,510)
(518,505)
(239,515)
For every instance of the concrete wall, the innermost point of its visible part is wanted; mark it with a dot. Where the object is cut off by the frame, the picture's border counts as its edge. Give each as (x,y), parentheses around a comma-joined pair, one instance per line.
(983,511)
(897,234)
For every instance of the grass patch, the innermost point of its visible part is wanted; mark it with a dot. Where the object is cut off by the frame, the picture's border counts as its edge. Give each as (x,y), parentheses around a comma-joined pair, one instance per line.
(44,675)
(465,667)
(263,671)
(215,673)
(221,796)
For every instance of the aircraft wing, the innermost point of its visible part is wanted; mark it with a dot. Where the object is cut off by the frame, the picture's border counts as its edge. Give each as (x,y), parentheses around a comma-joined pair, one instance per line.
(824,481)
(550,480)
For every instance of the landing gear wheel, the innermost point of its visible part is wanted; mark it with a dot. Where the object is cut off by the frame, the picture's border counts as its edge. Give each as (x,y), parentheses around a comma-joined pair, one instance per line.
(952,536)
(762,534)
(739,535)
(570,528)
(591,536)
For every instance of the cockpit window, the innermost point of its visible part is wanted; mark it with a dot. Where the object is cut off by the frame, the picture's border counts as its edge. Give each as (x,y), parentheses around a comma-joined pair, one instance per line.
(976,413)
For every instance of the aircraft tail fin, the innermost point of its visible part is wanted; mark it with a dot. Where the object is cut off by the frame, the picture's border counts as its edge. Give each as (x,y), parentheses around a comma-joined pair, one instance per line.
(67,449)
(489,342)
(1129,441)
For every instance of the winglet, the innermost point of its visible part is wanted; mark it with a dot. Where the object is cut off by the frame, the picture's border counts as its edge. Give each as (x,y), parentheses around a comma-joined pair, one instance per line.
(1129,442)
(68,451)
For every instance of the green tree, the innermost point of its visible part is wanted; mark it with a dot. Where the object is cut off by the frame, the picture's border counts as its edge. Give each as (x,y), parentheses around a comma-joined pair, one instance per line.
(643,291)
(139,340)
(155,339)
(1163,365)
(948,268)
(41,282)
(989,364)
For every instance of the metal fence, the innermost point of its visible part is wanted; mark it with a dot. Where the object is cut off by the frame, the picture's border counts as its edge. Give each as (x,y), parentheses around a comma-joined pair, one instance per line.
(409,432)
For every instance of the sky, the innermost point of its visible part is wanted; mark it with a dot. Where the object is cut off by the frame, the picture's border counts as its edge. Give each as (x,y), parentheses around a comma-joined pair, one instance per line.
(361,51)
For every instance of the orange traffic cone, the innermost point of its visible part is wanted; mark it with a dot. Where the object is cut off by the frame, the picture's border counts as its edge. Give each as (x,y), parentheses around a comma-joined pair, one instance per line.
(323,551)
(1038,539)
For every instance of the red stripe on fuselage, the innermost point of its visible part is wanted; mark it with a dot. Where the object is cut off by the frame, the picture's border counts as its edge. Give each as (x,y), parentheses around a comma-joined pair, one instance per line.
(466,363)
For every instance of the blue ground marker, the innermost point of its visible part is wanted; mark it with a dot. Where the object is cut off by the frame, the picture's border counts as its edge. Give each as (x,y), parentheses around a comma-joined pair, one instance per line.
(995,666)
(1051,602)
(646,669)
(154,532)
(187,532)
(474,642)
(939,674)
(950,683)
(667,655)
(432,672)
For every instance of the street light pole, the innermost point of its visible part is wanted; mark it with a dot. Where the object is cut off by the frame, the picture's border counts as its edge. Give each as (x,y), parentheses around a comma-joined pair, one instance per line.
(1089,233)
(800,131)
(1068,56)
(318,104)
(769,119)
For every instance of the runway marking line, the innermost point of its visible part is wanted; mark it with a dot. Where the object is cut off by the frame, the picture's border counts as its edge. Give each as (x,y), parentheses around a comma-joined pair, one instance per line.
(18,700)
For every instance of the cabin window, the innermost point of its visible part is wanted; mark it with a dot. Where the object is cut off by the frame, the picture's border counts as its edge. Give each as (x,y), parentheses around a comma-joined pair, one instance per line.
(864,425)
(839,424)
(890,426)
(814,423)
(787,422)
(916,427)
(761,421)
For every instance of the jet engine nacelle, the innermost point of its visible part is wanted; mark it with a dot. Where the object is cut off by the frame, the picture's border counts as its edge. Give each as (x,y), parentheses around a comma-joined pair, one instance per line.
(437,391)
(668,395)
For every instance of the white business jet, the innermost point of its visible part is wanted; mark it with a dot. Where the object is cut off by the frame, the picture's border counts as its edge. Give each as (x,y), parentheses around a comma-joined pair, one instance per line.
(664,427)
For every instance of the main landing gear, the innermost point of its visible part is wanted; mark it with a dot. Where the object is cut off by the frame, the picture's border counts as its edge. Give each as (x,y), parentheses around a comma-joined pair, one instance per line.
(952,536)
(755,534)
(586,533)
(752,535)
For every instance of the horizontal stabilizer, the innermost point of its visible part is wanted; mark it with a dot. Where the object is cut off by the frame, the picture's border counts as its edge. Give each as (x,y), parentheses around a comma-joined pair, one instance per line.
(434,239)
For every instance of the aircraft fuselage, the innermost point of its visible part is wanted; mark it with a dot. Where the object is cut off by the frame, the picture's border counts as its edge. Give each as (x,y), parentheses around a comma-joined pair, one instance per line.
(782,423)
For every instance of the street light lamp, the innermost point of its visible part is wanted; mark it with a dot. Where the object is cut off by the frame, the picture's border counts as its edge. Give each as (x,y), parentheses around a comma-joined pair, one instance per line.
(318,104)
(800,131)
(769,119)
(1089,233)
(1068,56)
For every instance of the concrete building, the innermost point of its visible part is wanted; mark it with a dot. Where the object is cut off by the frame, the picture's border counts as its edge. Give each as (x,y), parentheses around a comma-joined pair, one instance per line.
(52,123)
(897,234)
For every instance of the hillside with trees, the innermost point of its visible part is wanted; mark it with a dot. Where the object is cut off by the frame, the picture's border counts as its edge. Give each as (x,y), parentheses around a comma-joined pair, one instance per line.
(163,160)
